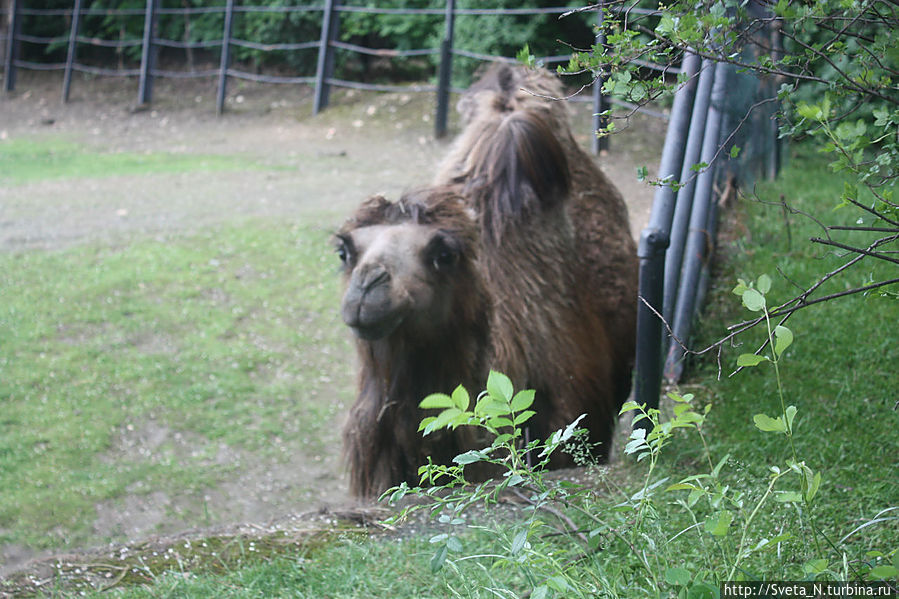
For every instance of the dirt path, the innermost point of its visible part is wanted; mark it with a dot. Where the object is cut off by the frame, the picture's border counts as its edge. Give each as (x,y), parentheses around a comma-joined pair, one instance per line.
(364,144)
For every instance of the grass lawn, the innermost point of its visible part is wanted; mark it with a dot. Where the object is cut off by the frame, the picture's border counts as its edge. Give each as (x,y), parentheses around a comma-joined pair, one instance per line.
(225,344)
(191,331)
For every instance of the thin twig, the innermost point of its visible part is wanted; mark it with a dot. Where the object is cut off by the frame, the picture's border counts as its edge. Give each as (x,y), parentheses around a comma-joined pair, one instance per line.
(856,250)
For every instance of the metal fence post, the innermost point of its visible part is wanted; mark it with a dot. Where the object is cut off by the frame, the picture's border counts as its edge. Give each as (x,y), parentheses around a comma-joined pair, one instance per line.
(599,104)
(10,62)
(70,54)
(654,241)
(445,73)
(774,158)
(225,58)
(148,55)
(684,196)
(325,66)
(699,242)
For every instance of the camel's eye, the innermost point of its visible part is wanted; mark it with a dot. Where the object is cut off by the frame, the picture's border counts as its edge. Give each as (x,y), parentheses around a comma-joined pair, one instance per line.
(344,248)
(444,253)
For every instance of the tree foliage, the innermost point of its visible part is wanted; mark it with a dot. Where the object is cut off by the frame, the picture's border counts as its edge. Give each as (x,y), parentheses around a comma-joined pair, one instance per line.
(275,22)
(835,64)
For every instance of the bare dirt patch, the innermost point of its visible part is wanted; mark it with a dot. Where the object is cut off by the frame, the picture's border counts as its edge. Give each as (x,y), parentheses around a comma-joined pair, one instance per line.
(325,165)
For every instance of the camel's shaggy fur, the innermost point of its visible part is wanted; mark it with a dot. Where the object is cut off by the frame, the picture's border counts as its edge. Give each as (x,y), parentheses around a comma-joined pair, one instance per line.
(519,258)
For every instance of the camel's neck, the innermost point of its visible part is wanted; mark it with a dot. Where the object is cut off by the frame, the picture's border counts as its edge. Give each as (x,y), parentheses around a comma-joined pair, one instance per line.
(407,370)
(382,442)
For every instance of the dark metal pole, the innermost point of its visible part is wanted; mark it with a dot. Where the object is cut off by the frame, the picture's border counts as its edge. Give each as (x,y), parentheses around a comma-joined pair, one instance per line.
(10,66)
(774,158)
(699,242)
(225,58)
(445,73)
(325,66)
(70,54)
(684,202)
(599,104)
(148,55)
(654,241)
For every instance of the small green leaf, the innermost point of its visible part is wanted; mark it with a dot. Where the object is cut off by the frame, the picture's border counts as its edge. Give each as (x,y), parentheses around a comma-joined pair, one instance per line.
(678,576)
(783,338)
(444,419)
(489,406)
(734,151)
(769,425)
(812,487)
(883,572)
(635,446)
(666,25)
(469,457)
(499,422)
(540,592)
(569,430)
(515,479)
(454,544)
(790,414)
(763,284)
(523,400)
(461,398)
(518,542)
(718,524)
(557,583)
(747,360)
(642,173)
(680,487)
(525,57)
(678,398)
(811,112)
(499,386)
(523,417)
(437,400)
(717,469)
(816,566)
(788,497)
(753,300)
(628,407)
(702,590)
(438,559)
(694,496)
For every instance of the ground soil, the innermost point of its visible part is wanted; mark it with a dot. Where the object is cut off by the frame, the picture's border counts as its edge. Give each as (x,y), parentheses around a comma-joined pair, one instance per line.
(364,143)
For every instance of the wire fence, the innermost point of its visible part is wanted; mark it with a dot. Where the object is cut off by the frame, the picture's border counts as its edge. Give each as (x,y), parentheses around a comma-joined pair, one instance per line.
(148,43)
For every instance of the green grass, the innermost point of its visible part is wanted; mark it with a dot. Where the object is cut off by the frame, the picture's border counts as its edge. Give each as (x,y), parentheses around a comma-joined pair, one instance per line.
(227,339)
(230,337)
(26,160)
(840,373)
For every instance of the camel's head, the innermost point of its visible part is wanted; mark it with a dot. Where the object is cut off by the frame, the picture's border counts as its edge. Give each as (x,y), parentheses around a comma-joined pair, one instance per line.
(404,263)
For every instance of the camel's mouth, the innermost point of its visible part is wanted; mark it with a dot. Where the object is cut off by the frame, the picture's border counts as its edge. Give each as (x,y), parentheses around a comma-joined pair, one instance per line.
(372,331)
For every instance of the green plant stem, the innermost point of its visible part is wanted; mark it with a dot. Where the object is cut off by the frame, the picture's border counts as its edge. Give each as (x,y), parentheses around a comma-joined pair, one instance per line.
(780,392)
(783,409)
(748,523)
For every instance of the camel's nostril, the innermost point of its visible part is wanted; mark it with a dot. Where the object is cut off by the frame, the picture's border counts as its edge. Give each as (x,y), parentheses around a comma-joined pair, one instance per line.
(373,278)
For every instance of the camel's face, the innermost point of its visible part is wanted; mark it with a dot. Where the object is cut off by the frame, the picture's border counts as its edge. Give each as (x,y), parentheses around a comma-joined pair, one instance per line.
(399,278)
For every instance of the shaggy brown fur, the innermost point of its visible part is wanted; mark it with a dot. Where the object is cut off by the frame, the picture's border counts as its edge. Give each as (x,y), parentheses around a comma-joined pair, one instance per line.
(606,252)
(519,259)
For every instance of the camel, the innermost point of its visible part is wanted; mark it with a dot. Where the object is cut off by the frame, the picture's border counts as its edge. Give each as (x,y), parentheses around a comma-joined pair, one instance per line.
(517,258)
